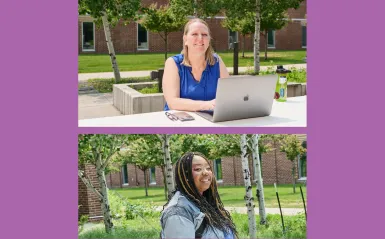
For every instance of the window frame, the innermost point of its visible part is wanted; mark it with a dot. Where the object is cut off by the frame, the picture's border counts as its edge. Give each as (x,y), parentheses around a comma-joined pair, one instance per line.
(274,40)
(137,39)
(88,50)
(123,175)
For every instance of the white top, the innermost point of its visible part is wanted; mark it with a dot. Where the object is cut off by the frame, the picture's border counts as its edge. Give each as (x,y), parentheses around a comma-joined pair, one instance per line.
(291,113)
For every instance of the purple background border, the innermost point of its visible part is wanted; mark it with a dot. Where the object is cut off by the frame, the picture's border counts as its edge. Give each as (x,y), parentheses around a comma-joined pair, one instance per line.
(39,79)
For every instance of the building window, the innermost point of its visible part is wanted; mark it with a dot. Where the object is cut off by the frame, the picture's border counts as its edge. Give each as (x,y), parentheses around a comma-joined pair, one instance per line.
(304,42)
(152,176)
(88,36)
(218,169)
(125,174)
(271,39)
(142,38)
(233,37)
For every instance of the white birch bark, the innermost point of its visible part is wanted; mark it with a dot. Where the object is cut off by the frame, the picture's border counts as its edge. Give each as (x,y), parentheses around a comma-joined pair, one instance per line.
(293,174)
(165,138)
(249,193)
(257,36)
(103,191)
(110,47)
(258,179)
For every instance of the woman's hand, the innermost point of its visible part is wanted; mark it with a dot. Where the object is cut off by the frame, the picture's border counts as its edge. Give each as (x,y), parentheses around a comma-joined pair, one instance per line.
(209,105)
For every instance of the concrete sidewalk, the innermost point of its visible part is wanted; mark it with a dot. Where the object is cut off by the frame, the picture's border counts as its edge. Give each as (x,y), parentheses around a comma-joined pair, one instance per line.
(124,74)
(243,210)
(96,105)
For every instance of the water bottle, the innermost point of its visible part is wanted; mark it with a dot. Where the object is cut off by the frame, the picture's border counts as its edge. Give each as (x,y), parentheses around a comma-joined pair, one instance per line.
(281,89)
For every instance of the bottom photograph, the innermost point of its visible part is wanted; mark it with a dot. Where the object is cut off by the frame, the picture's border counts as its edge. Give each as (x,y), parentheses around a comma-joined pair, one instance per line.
(192,186)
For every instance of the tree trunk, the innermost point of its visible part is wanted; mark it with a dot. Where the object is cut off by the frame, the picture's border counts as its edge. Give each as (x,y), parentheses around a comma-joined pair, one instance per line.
(164,181)
(257,37)
(165,47)
(167,161)
(275,161)
(249,193)
(266,39)
(235,172)
(293,174)
(243,48)
(136,176)
(259,180)
(110,47)
(103,191)
(145,182)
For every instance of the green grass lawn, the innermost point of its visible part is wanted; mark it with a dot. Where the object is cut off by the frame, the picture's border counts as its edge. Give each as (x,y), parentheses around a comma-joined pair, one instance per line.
(230,196)
(89,63)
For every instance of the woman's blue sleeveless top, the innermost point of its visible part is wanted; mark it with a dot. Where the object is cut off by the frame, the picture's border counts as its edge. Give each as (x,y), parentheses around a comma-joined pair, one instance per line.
(205,89)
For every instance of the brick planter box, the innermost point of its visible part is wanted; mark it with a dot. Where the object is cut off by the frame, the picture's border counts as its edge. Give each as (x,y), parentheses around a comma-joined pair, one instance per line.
(128,100)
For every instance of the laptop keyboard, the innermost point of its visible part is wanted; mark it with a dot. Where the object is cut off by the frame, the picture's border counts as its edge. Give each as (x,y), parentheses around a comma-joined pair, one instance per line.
(210,112)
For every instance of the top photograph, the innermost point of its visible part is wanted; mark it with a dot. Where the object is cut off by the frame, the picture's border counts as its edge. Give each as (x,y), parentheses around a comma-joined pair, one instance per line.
(188,63)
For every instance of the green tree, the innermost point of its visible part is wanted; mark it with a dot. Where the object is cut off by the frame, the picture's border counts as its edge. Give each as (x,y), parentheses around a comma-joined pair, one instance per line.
(292,146)
(197,8)
(262,14)
(145,152)
(274,16)
(108,12)
(162,21)
(98,150)
(275,140)
(244,25)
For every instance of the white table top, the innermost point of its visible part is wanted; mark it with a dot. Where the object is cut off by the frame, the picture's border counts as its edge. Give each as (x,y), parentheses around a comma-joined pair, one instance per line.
(291,113)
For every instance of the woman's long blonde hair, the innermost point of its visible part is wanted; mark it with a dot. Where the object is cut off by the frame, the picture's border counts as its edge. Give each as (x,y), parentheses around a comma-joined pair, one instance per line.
(209,52)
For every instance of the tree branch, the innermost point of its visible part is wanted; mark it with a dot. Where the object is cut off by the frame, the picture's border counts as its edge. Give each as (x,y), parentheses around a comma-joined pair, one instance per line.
(88,183)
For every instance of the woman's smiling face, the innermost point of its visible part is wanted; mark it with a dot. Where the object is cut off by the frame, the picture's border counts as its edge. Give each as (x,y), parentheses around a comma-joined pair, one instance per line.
(202,174)
(197,38)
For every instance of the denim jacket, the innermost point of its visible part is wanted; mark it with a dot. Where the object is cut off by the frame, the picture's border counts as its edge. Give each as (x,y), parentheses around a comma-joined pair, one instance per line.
(181,218)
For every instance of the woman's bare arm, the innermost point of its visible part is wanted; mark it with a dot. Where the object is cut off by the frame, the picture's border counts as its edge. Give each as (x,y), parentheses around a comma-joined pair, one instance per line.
(171,89)
(222,69)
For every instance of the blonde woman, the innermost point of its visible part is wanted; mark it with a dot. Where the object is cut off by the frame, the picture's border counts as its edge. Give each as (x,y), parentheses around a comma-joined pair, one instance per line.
(190,79)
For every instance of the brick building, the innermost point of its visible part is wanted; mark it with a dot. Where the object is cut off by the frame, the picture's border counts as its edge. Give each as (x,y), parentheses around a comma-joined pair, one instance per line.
(276,168)
(133,38)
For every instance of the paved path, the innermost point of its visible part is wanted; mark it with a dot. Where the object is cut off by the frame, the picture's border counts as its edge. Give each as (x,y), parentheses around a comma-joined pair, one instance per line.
(243,210)
(85,76)
(96,105)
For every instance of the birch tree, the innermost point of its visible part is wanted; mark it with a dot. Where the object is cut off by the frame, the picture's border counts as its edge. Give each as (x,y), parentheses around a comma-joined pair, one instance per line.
(165,139)
(249,193)
(257,36)
(98,150)
(258,179)
(109,12)
(291,145)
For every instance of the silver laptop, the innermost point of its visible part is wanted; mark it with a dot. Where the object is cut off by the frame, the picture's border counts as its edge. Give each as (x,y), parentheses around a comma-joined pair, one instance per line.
(242,97)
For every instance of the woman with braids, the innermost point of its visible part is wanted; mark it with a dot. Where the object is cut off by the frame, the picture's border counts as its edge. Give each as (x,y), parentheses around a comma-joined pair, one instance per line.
(190,79)
(195,209)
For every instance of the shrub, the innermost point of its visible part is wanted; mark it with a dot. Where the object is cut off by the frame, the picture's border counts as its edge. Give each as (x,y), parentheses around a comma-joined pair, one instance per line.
(105,85)
(122,208)
(150,90)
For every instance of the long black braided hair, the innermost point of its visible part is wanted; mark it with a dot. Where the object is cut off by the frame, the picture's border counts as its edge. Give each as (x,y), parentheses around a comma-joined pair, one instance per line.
(209,202)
